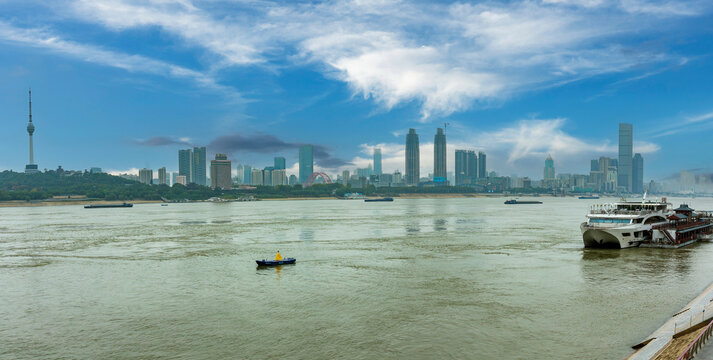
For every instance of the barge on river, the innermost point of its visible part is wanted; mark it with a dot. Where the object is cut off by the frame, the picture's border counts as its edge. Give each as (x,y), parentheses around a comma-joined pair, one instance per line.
(645,223)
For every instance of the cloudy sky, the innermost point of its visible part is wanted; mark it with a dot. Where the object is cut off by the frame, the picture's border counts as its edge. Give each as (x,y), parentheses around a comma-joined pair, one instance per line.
(124,84)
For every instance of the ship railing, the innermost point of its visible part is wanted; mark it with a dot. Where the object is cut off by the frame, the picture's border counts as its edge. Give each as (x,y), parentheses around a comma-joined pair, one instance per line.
(620,212)
(697,343)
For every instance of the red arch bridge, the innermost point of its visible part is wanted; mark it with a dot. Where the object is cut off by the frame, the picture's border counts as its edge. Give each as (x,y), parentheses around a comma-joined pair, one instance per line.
(310,181)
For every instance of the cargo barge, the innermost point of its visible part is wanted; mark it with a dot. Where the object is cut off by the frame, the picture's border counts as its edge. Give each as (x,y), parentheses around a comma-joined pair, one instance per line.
(104,206)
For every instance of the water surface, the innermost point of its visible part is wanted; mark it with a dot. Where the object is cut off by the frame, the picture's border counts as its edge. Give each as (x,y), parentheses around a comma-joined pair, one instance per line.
(430,278)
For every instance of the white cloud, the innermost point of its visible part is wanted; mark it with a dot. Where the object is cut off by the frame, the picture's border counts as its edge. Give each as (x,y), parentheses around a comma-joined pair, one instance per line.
(131,171)
(44,39)
(447,57)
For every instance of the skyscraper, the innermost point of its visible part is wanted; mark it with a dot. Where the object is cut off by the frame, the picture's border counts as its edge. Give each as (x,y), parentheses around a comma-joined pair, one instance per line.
(220,172)
(482,172)
(162,179)
(278,177)
(377,161)
(461,165)
(345,177)
(637,174)
(146,176)
(439,157)
(31,168)
(625,155)
(472,174)
(247,174)
(185,159)
(413,170)
(594,165)
(280,163)
(549,168)
(306,162)
(256,177)
(198,174)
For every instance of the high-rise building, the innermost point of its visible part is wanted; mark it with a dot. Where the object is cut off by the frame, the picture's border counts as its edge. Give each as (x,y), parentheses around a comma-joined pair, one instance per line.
(280,163)
(185,160)
(146,176)
(181,179)
(293,180)
(549,168)
(594,165)
(413,166)
(306,162)
(247,174)
(345,177)
(482,169)
(256,177)
(637,174)
(279,177)
(199,166)
(398,178)
(162,179)
(267,176)
(472,174)
(439,157)
(625,155)
(220,172)
(461,166)
(377,161)
(31,168)
(95,170)
(466,167)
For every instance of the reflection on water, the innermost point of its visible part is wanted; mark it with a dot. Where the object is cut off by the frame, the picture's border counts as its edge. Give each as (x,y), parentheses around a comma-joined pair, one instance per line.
(439,224)
(307,235)
(416,279)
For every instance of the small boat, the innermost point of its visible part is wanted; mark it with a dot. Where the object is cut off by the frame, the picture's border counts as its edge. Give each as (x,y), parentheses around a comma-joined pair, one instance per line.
(286,261)
(379,199)
(517,202)
(278,261)
(103,206)
(164,204)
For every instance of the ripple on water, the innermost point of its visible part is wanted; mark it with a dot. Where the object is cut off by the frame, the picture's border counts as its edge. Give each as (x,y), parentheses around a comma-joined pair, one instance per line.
(22,261)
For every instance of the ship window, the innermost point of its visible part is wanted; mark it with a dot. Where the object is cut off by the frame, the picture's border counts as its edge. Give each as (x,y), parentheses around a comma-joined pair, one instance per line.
(626,234)
(609,221)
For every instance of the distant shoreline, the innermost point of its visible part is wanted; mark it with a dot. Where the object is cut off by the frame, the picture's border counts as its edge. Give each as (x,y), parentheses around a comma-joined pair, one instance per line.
(23,203)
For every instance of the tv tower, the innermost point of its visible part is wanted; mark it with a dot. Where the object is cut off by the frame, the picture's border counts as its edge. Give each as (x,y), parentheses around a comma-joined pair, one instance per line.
(31,168)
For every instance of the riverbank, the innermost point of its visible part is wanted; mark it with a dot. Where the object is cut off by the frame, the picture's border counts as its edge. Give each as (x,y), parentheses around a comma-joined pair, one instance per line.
(670,336)
(18,203)
(21,203)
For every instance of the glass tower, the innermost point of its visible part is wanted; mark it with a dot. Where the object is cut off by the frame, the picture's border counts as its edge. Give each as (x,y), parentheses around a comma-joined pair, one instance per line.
(549,168)
(625,155)
(306,162)
(481,165)
(413,172)
(637,174)
(198,174)
(377,161)
(185,162)
(280,163)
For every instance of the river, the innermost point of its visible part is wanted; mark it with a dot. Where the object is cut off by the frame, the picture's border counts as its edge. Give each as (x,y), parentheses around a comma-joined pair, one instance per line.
(416,278)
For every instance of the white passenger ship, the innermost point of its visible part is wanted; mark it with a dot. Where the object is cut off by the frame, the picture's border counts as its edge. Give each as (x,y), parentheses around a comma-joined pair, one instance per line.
(624,224)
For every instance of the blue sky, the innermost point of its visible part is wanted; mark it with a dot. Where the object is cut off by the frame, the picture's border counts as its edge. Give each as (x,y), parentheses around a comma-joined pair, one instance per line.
(124,84)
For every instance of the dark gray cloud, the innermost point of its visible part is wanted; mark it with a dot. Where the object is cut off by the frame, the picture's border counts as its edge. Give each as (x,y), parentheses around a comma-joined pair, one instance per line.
(269,144)
(161,141)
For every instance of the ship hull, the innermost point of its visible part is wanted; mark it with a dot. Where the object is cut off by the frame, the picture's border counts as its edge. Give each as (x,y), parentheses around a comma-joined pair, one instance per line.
(610,238)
